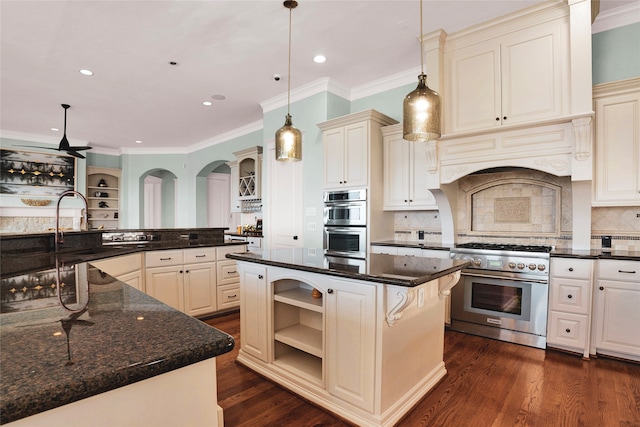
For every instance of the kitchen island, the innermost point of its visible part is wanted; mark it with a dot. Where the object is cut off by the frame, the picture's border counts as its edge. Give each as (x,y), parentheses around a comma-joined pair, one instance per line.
(119,357)
(364,343)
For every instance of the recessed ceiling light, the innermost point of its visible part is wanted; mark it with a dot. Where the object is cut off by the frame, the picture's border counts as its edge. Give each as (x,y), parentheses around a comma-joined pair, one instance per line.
(86,72)
(138,142)
(207,103)
(219,97)
(319,59)
(55,129)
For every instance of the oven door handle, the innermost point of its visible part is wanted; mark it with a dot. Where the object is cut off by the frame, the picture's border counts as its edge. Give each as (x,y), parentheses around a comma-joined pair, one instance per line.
(513,279)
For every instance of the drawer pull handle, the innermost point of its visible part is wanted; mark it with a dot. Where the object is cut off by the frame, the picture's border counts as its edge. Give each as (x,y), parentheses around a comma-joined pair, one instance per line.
(231,272)
(567,330)
(627,271)
(232,296)
(569,296)
(165,259)
(570,268)
(200,256)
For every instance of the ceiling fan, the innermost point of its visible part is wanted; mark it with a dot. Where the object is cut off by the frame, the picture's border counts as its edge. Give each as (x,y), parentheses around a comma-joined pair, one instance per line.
(64,142)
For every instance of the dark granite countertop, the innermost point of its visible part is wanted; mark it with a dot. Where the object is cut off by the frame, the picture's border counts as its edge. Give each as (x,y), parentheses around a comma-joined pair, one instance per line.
(597,253)
(388,269)
(413,244)
(51,357)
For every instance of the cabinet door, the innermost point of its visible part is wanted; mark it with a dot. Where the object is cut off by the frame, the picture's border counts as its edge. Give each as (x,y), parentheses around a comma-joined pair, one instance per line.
(133,279)
(396,172)
(531,75)
(166,284)
(334,157)
(356,155)
(617,317)
(200,288)
(420,197)
(474,87)
(234,179)
(254,325)
(351,321)
(617,156)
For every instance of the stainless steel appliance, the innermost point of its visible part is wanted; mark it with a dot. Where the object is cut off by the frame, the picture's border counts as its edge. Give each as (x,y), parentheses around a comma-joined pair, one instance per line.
(345,208)
(345,221)
(504,293)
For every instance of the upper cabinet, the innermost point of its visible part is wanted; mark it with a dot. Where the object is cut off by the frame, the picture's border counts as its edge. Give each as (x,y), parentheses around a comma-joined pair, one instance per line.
(617,144)
(103,198)
(352,144)
(499,77)
(404,171)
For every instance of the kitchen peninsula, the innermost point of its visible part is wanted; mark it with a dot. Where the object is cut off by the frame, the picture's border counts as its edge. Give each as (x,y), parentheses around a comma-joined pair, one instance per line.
(364,344)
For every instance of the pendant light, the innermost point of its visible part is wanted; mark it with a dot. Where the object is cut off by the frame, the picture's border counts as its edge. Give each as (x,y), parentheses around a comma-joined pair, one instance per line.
(421,108)
(288,138)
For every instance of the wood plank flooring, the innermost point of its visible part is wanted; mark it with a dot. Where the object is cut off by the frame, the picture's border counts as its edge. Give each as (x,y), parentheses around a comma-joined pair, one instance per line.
(489,383)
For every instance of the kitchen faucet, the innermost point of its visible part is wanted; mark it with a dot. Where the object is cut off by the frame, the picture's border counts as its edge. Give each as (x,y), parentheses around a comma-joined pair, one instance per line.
(59,238)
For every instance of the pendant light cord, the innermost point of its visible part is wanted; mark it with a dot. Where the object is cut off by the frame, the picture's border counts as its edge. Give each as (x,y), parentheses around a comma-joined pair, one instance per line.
(421,47)
(289,70)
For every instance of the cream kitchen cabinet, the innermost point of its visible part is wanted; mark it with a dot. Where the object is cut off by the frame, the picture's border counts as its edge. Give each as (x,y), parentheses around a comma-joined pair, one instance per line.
(617,144)
(126,268)
(184,279)
(254,311)
(228,278)
(570,304)
(352,147)
(508,79)
(617,313)
(405,172)
(234,179)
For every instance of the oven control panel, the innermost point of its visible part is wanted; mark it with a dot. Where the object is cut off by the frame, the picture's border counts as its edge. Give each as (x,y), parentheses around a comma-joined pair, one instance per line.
(515,263)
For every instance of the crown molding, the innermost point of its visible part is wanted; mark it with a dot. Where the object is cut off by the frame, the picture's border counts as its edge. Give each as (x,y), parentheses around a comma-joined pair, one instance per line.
(258,125)
(617,17)
(387,83)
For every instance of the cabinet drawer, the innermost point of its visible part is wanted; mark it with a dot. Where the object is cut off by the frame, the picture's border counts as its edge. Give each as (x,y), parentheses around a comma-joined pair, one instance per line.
(162,258)
(570,295)
(228,272)
(228,296)
(196,255)
(388,250)
(571,268)
(627,271)
(566,329)
(221,251)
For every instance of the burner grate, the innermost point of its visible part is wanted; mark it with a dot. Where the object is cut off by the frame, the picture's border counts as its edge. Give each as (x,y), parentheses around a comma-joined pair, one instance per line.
(505,247)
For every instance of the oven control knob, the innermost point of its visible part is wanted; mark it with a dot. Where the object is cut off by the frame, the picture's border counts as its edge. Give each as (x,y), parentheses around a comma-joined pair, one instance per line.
(512,265)
(477,262)
(542,267)
(521,265)
(532,266)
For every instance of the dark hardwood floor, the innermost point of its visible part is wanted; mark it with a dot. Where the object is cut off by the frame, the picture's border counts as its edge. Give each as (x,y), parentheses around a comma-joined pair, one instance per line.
(488,383)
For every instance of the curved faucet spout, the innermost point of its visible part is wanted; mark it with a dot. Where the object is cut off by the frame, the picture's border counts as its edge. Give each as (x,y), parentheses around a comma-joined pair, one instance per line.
(59,237)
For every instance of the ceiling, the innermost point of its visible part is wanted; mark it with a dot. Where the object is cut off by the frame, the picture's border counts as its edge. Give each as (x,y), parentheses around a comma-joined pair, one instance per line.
(229,48)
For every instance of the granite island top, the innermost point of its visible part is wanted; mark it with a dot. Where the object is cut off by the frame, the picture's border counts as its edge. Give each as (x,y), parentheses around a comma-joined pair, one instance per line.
(52,357)
(387,269)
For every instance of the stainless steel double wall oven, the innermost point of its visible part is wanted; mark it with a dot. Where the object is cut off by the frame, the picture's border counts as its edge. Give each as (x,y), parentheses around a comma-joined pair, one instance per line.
(345,223)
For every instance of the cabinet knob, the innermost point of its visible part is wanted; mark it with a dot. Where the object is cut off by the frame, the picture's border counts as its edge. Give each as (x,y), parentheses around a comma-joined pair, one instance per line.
(504,118)
(497,119)
(329,291)
(567,330)
(601,288)
(187,271)
(405,200)
(180,271)
(570,268)
(295,237)
(260,276)
(569,296)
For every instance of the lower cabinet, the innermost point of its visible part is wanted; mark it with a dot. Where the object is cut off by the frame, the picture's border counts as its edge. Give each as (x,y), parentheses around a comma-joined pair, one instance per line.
(196,281)
(617,309)
(126,268)
(253,311)
(568,325)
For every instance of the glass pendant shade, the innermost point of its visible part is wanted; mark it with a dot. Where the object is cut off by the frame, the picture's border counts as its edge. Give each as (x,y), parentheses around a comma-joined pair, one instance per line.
(288,142)
(421,113)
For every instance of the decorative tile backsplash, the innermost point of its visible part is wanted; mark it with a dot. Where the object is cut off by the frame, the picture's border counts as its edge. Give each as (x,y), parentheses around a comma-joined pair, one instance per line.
(521,207)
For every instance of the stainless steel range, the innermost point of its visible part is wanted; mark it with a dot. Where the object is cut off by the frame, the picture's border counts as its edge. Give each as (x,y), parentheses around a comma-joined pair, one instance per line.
(504,293)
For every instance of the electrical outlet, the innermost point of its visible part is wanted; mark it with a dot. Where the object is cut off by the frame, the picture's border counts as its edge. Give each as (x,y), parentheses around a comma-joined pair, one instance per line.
(420,297)
(311,226)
